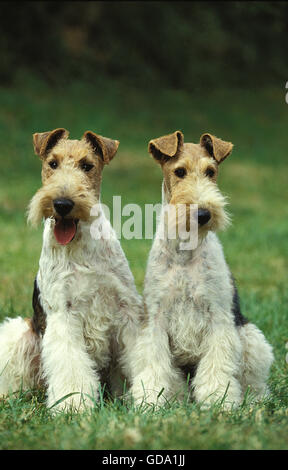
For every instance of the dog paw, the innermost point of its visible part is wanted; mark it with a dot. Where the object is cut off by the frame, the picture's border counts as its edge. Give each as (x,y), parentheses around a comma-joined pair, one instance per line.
(224,400)
(151,398)
(75,402)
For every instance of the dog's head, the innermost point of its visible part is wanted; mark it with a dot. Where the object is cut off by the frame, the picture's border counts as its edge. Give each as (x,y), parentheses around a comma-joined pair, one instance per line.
(190,174)
(71,179)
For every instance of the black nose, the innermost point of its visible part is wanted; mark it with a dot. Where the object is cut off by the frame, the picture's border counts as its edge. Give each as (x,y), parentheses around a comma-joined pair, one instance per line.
(63,206)
(203,216)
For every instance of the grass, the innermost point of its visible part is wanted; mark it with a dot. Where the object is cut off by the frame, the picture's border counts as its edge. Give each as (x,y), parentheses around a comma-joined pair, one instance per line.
(254,178)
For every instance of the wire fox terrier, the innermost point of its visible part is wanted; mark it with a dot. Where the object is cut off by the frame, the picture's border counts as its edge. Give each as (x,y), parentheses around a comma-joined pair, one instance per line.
(193,320)
(86,306)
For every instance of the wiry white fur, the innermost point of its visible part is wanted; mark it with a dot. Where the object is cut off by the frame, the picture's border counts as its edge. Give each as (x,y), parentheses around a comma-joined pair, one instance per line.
(19,356)
(93,310)
(256,359)
(188,301)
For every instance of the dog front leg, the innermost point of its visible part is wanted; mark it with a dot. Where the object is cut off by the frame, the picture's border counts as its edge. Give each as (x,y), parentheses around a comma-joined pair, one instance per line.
(154,378)
(218,368)
(67,367)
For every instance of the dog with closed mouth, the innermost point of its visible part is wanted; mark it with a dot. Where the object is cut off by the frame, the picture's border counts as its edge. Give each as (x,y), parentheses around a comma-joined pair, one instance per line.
(193,322)
(86,306)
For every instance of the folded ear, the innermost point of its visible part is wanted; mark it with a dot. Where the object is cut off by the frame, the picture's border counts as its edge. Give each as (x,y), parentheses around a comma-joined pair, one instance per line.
(103,146)
(44,141)
(166,147)
(217,148)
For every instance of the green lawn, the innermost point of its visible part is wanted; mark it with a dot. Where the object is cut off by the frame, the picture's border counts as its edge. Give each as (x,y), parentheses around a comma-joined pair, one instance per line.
(255,180)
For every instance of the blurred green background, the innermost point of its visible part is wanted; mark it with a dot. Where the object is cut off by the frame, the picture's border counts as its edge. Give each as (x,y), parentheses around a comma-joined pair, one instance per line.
(134,71)
(187,45)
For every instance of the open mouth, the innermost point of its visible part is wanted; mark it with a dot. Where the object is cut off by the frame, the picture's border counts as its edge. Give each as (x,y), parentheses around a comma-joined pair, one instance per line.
(65,230)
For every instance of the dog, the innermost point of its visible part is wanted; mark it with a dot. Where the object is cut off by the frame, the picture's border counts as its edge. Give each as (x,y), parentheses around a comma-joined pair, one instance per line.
(85,302)
(194,332)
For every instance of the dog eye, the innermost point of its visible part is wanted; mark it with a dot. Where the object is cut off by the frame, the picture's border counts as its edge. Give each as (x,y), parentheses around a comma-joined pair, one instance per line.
(180,172)
(210,172)
(53,164)
(86,167)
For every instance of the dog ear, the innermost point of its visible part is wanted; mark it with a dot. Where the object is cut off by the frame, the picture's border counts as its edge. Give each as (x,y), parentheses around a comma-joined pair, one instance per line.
(103,146)
(166,147)
(44,141)
(217,148)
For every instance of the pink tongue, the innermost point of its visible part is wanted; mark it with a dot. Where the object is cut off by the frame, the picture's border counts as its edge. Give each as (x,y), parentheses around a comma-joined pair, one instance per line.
(64,231)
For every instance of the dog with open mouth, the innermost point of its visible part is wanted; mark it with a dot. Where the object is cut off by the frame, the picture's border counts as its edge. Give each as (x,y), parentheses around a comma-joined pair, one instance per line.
(86,306)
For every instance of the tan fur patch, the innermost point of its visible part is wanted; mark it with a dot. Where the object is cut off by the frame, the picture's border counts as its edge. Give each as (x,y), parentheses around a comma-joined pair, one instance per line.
(70,169)
(190,177)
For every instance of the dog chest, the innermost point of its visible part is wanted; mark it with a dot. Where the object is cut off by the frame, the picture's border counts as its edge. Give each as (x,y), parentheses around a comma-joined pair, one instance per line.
(187,297)
(71,287)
